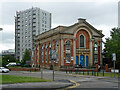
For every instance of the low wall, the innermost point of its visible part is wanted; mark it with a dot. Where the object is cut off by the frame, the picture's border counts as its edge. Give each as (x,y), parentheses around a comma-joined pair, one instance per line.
(24,69)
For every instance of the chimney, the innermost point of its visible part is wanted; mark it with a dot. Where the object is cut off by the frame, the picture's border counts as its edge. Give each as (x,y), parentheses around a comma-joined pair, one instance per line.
(80,20)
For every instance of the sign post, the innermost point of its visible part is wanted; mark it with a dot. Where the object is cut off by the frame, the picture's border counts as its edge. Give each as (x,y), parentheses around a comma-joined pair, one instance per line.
(114,59)
(53,58)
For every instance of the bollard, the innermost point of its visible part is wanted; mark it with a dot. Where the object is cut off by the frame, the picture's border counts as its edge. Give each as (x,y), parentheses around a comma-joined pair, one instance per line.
(103,72)
(97,73)
(92,73)
(83,72)
(87,72)
(79,72)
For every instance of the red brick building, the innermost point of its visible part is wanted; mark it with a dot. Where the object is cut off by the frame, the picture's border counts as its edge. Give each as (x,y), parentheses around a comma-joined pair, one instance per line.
(77,44)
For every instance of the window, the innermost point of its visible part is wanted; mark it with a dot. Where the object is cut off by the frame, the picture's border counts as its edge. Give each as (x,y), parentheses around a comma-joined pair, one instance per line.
(95,58)
(82,41)
(67,58)
(56,48)
(67,45)
(50,53)
(95,47)
(42,53)
(46,53)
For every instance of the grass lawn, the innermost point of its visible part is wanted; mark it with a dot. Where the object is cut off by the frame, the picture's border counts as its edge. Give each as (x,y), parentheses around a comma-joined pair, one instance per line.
(100,74)
(19,79)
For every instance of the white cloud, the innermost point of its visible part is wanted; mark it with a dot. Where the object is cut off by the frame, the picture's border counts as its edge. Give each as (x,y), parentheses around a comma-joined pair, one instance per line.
(7,37)
(59,1)
(101,13)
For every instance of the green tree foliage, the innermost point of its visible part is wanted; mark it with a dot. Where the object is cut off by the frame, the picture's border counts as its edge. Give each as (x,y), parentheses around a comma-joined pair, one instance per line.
(26,56)
(7,59)
(112,45)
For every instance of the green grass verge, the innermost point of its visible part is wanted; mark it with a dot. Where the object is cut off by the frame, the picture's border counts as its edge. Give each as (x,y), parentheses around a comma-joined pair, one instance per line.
(19,79)
(99,74)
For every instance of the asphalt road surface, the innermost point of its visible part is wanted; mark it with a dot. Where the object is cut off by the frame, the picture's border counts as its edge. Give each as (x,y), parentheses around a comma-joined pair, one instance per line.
(79,81)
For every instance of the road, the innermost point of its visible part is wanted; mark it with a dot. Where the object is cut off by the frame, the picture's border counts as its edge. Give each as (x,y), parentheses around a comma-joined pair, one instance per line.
(79,81)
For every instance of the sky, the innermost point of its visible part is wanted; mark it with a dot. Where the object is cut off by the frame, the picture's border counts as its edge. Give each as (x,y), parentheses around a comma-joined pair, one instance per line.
(102,14)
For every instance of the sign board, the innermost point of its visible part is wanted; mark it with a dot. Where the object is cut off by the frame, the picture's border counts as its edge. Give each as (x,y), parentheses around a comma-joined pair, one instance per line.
(116,70)
(114,57)
(72,58)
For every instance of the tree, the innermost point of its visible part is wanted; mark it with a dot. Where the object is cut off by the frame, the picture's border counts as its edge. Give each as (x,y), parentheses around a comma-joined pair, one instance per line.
(26,56)
(7,59)
(112,45)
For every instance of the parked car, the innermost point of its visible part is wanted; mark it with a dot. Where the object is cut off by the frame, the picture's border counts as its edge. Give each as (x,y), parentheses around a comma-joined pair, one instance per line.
(18,64)
(3,69)
(11,64)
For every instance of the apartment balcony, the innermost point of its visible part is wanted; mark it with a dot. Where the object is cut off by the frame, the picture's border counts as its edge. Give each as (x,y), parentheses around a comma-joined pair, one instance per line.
(18,24)
(18,15)
(18,27)
(34,33)
(34,16)
(34,20)
(34,24)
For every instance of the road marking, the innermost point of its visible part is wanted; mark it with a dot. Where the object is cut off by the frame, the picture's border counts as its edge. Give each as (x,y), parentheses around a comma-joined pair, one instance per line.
(76,84)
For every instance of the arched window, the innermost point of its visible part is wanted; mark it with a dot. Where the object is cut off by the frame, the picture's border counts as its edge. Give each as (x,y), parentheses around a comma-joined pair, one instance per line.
(82,41)
(67,45)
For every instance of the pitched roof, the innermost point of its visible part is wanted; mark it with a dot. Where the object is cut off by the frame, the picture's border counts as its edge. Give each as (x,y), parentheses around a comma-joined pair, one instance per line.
(63,29)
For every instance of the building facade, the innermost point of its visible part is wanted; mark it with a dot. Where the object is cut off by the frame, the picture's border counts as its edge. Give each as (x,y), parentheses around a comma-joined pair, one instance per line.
(8,52)
(77,44)
(28,24)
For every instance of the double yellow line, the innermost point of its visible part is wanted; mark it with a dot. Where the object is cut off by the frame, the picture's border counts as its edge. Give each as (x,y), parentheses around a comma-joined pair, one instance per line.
(76,84)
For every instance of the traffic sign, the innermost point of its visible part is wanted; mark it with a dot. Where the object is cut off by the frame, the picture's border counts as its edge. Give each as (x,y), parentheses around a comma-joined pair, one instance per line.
(114,57)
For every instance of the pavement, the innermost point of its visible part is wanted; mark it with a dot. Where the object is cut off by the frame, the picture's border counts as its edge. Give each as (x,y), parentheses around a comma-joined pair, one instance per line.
(57,84)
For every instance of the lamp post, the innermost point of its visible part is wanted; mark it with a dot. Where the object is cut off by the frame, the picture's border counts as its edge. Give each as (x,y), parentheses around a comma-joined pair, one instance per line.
(114,59)
(53,58)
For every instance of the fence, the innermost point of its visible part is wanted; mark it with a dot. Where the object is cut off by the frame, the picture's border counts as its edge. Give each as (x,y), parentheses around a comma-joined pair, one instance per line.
(92,73)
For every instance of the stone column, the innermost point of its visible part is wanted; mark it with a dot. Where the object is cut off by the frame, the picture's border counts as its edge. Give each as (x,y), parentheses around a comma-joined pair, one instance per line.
(74,51)
(62,53)
(91,54)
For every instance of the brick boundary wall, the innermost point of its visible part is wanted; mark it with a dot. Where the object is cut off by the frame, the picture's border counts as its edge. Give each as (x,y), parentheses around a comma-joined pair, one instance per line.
(24,69)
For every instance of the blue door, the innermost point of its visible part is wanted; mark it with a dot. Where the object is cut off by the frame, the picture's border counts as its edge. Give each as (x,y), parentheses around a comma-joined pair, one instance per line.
(77,60)
(82,60)
(86,61)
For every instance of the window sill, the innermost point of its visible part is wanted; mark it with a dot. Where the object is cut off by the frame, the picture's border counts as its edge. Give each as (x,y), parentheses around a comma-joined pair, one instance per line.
(56,62)
(67,62)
